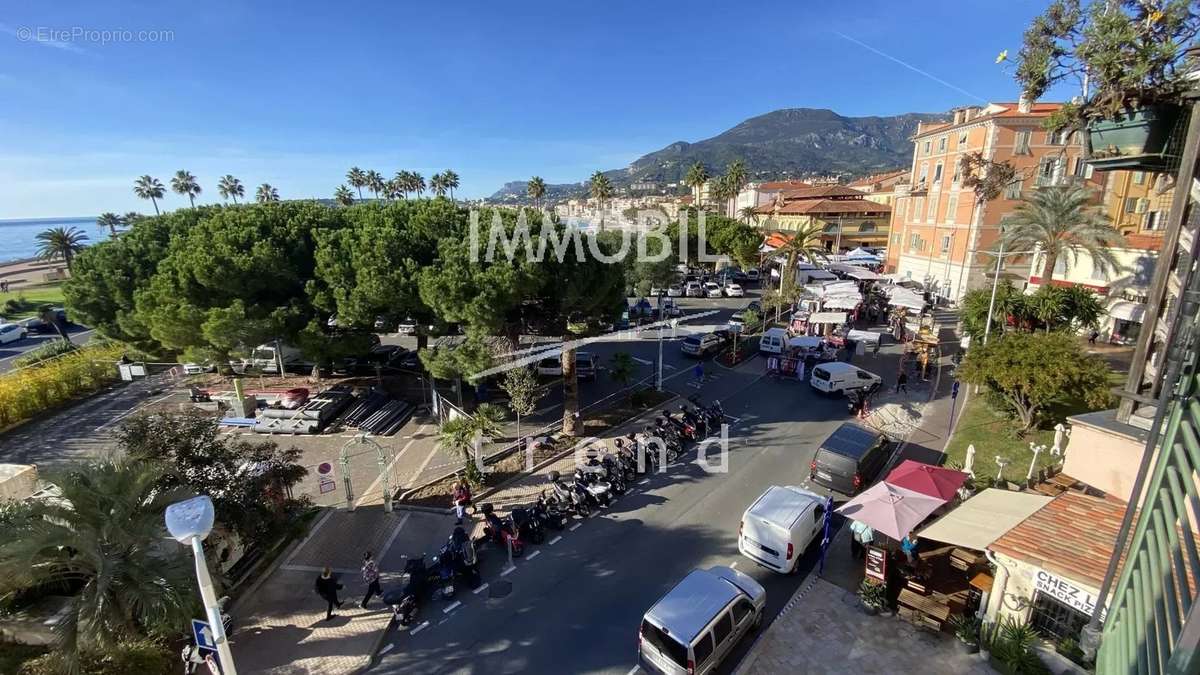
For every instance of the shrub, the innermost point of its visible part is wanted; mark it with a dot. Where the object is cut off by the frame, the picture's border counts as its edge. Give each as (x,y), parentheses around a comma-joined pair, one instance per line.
(46,352)
(144,657)
(29,391)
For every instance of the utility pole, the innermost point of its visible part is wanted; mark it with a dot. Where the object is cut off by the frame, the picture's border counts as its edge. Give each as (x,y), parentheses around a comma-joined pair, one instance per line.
(659,383)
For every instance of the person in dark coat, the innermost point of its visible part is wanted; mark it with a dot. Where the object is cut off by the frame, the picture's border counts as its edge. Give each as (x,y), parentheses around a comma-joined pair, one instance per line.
(327,587)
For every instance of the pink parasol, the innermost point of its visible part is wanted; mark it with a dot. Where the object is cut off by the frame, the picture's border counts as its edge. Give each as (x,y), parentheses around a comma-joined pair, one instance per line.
(927,479)
(891,510)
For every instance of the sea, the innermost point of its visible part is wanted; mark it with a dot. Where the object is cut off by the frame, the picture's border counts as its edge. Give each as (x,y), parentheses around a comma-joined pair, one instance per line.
(18,238)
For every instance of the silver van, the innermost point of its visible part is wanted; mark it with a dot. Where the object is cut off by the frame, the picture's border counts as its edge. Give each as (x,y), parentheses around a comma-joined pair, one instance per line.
(691,629)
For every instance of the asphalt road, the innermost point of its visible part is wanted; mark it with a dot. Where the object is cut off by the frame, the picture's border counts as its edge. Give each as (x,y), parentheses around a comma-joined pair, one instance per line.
(9,352)
(575,606)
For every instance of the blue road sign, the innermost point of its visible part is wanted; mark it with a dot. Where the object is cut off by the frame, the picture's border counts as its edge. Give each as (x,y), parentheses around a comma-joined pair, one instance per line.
(954,390)
(205,640)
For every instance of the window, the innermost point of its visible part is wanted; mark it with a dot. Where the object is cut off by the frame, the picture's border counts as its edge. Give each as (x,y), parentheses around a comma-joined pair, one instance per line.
(958,167)
(866,227)
(703,648)
(1013,190)
(937,173)
(665,644)
(905,216)
(1081,167)
(951,208)
(1054,619)
(946,238)
(722,628)
(920,208)
(1022,144)
(962,138)
(933,204)
(1049,171)
(914,243)
(1143,205)
(895,238)
(742,609)
(924,174)
(1059,137)
(928,144)
(942,144)
(1153,221)
(1131,204)
(1139,177)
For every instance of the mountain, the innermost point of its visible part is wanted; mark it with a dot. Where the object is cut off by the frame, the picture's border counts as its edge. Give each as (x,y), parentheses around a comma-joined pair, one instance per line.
(515,191)
(792,142)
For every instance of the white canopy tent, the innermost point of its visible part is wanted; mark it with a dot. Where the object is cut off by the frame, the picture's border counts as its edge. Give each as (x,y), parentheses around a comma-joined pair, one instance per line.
(907,300)
(863,336)
(827,317)
(984,518)
(863,275)
(1127,311)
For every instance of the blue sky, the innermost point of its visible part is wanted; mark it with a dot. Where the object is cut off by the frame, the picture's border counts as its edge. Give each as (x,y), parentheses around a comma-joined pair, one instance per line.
(295,94)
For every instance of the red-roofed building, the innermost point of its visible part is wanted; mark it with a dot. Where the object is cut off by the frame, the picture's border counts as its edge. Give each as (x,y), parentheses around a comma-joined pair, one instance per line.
(938,230)
(849,219)
(882,186)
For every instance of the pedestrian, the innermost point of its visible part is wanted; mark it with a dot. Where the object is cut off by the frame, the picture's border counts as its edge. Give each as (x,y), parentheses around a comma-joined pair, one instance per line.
(902,382)
(370,577)
(909,547)
(327,588)
(1092,336)
(875,346)
(698,372)
(461,499)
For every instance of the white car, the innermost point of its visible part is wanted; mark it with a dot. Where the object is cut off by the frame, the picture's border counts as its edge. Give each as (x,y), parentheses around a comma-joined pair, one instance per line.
(733,291)
(675,291)
(407,327)
(656,291)
(693,289)
(712,289)
(752,274)
(192,368)
(11,332)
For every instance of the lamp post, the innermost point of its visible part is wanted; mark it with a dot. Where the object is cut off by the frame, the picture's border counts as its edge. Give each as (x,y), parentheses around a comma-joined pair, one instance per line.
(659,379)
(189,522)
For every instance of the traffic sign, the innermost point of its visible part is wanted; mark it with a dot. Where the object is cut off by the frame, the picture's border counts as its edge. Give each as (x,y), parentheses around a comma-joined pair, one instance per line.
(325,479)
(954,390)
(205,640)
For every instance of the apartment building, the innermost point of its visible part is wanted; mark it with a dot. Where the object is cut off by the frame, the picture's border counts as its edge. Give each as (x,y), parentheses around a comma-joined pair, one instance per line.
(881,187)
(939,230)
(847,218)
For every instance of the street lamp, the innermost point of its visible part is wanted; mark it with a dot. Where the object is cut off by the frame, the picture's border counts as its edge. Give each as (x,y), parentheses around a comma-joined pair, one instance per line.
(189,522)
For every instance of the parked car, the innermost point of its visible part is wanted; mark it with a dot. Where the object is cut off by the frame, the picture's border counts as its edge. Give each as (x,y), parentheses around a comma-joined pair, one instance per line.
(12,332)
(753,274)
(193,368)
(656,291)
(670,308)
(755,305)
(38,325)
(780,525)
(692,628)
(675,291)
(839,377)
(585,366)
(734,291)
(712,289)
(849,459)
(693,289)
(701,345)
(773,341)
(407,326)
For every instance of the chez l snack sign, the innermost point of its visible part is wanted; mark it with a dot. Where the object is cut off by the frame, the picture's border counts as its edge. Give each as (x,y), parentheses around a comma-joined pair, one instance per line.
(1065,592)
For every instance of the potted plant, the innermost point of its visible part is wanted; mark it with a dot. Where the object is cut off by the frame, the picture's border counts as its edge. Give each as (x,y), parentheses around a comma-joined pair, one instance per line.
(873,596)
(966,629)
(1129,57)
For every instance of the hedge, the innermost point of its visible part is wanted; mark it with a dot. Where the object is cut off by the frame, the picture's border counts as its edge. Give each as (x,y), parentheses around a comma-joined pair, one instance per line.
(26,392)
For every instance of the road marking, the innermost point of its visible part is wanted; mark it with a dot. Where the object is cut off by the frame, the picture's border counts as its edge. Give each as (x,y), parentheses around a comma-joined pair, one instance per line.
(314,568)
(420,628)
(634,671)
(734,564)
(388,648)
(595,513)
(576,526)
(479,590)
(644,362)
(668,366)
(555,540)
(509,571)
(127,413)
(451,608)
(643,481)
(533,555)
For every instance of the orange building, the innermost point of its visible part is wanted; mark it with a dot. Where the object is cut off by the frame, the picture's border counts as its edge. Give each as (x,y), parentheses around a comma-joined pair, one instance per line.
(846,217)
(939,229)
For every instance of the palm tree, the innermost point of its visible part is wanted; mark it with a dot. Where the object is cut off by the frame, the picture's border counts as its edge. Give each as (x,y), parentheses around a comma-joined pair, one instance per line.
(451,180)
(601,188)
(131,217)
(394,188)
(437,185)
(1047,305)
(109,221)
(266,194)
(805,243)
(536,189)
(343,195)
(230,188)
(149,188)
(375,182)
(621,369)
(103,534)
(695,178)
(61,242)
(357,179)
(418,183)
(735,180)
(748,215)
(185,183)
(1061,222)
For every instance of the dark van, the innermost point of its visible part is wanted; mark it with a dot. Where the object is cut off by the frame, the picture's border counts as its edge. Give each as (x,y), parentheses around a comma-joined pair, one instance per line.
(849,459)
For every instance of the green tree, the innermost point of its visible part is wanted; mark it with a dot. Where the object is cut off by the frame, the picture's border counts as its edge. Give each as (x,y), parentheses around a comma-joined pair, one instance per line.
(102,537)
(459,434)
(375,183)
(536,189)
(149,188)
(524,391)
(61,243)
(357,178)
(621,368)
(109,221)
(416,183)
(184,183)
(1061,222)
(230,188)
(695,178)
(130,218)
(804,244)
(1031,372)
(489,420)
(600,187)
(342,195)
(438,185)
(748,215)
(1082,307)
(266,194)
(1047,305)
(451,181)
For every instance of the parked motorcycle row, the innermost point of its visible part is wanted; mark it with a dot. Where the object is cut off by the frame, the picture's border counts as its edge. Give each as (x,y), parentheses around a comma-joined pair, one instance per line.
(606,475)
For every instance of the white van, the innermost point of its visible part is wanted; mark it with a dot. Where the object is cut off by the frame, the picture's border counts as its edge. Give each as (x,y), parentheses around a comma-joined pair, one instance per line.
(779,525)
(264,358)
(696,624)
(773,341)
(839,377)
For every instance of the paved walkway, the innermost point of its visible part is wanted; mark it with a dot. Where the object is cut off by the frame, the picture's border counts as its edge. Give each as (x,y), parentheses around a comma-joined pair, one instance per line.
(826,631)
